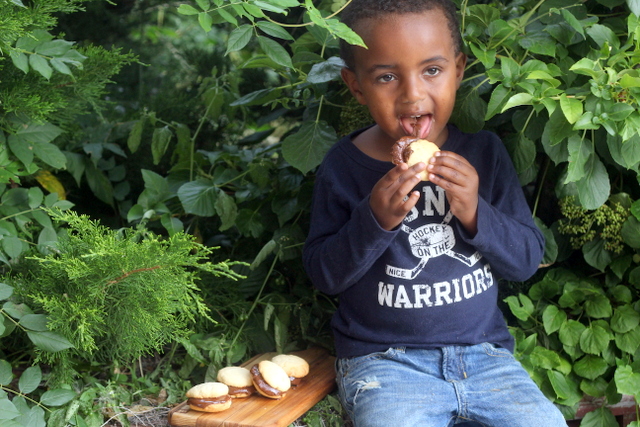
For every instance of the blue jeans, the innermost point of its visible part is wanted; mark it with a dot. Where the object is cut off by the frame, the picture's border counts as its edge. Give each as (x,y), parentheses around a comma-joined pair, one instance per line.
(480,385)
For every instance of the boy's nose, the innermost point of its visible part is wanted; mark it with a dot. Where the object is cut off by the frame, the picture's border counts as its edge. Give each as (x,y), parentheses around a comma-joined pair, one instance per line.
(413,90)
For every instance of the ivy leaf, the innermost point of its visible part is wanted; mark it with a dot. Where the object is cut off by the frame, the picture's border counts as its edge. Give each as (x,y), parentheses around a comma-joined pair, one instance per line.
(275,51)
(594,340)
(598,306)
(596,255)
(601,417)
(590,366)
(305,148)
(249,223)
(199,197)
(602,34)
(520,307)
(624,319)
(49,341)
(627,381)
(565,389)
(629,341)
(553,319)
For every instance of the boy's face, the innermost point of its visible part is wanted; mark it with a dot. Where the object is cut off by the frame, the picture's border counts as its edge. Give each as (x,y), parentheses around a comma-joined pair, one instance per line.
(409,75)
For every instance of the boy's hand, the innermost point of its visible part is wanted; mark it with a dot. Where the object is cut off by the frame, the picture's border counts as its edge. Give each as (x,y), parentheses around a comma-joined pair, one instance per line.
(387,200)
(460,181)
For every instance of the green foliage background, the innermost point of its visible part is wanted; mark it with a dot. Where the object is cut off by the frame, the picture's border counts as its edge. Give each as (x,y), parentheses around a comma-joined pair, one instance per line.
(212,126)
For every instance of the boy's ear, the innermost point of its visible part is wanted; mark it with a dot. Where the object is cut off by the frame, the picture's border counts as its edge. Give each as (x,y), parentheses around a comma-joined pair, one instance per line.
(461,63)
(351,80)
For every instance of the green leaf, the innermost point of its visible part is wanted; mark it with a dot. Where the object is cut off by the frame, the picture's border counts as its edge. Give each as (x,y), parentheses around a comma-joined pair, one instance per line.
(580,151)
(12,246)
(598,306)
(49,341)
(60,66)
(624,319)
(239,38)
(135,136)
(160,142)
(57,397)
(595,188)
(326,71)
(20,61)
(6,372)
(56,47)
(602,34)
(601,417)
(305,148)
(38,133)
(50,154)
(595,254)
(486,56)
(249,224)
(627,381)
(497,100)
(206,21)
(199,197)
(30,379)
(41,65)
(631,232)
(594,340)
(571,107)
(517,100)
(590,366)
(553,319)
(629,341)
(8,410)
(544,358)
(226,209)
(563,386)
(275,51)
(274,30)
(571,20)
(34,322)
(185,9)
(171,224)
(570,332)
(5,291)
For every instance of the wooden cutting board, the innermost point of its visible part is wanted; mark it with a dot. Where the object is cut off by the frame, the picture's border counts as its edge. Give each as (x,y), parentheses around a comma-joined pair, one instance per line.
(259,411)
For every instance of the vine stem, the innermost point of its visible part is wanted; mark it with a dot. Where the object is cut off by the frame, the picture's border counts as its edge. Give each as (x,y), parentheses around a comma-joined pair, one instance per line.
(255,303)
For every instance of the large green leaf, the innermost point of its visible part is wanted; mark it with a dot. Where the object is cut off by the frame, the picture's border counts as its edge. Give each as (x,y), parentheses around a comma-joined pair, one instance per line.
(199,197)
(624,319)
(594,340)
(601,417)
(57,397)
(6,372)
(50,154)
(275,51)
(553,319)
(594,188)
(305,148)
(8,410)
(627,381)
(629,341)
(596,255)
(570,332)
(590,366)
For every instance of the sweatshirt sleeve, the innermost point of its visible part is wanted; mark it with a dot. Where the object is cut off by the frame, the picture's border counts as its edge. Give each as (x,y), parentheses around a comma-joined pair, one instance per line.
(507,235)
(344,239)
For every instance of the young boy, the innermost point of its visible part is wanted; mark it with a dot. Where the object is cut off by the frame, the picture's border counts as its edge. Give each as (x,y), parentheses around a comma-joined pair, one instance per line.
(419,338)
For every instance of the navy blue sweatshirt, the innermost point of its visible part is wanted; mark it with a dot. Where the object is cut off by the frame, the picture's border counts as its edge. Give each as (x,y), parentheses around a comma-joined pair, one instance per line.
(427,283)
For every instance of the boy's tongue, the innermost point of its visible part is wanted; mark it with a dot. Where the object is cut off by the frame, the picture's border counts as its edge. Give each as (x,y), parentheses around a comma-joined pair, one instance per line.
(417,127)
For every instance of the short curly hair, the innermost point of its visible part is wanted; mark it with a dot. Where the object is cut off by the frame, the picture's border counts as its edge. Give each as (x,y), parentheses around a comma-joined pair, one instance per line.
(359,10)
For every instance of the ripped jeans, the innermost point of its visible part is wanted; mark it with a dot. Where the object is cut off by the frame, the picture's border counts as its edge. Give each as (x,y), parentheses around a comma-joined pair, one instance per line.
(480,385)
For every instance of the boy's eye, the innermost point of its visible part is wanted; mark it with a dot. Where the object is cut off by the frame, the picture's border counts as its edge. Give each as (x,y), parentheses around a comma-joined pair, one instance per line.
(432,71)
(385,78)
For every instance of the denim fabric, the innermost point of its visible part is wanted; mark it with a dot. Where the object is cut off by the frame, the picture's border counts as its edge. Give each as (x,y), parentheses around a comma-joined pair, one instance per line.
(469,386)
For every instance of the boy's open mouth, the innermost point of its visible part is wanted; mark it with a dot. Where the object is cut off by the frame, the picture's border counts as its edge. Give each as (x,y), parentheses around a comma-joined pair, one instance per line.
(417,125)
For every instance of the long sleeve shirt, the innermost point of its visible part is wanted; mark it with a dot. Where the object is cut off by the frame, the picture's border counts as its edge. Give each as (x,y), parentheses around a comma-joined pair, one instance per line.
(427,283)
